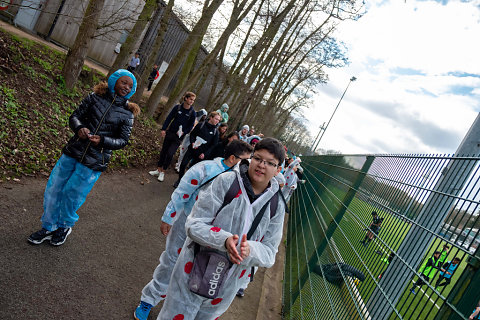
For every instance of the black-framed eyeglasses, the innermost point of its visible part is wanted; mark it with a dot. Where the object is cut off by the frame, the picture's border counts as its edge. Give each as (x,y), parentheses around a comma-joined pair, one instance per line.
(237,157)
(265,162)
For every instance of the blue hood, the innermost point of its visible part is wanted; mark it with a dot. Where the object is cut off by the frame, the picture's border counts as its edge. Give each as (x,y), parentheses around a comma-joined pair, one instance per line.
(112,80)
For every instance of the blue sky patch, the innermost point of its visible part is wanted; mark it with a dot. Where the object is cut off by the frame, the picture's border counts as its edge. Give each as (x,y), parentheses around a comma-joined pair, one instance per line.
(461,90)
(408,72)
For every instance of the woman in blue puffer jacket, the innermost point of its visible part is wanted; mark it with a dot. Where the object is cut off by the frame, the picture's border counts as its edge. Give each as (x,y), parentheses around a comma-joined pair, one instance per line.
(102,123)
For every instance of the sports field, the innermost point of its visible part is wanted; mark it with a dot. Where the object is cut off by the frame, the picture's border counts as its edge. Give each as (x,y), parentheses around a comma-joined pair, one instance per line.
(369,259)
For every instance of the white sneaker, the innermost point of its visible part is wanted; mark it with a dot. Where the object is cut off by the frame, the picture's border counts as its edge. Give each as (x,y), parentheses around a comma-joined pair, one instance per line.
(161,176)
(153,173)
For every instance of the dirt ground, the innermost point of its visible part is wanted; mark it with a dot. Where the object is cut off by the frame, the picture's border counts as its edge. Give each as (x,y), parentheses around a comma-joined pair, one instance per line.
(108,258)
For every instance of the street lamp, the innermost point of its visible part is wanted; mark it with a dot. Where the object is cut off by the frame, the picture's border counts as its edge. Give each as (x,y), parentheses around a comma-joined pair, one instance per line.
(325,129)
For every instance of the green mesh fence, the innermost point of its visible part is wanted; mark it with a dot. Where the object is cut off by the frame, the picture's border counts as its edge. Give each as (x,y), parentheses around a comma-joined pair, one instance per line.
(344,263)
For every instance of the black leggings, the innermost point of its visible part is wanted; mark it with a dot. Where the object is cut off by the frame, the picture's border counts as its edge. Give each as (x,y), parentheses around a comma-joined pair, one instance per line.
(189,155)
(170,146)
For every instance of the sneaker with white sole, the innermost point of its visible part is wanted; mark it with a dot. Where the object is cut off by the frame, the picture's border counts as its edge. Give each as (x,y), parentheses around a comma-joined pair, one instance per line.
(40,236)
(153,173)
(142,311)
(161,176)
(59,236)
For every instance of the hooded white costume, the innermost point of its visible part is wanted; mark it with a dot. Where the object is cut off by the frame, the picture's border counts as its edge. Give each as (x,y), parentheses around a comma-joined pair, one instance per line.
(206,229)
(176,212)
(291,179)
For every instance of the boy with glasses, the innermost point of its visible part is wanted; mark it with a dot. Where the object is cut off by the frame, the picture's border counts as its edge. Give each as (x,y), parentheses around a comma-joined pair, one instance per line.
(224,228)
(173,220)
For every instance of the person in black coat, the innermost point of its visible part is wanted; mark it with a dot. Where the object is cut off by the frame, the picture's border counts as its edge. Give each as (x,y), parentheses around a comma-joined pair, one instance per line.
(152,77)
(179,122)
(219,149)
(102,123)
(202,140)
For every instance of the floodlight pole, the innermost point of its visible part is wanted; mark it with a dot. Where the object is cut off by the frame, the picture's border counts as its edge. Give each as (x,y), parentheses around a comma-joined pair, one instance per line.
(322,127)
(325,129)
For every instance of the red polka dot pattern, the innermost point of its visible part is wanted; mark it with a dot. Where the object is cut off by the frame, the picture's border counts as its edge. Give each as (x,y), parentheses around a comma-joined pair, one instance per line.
(239,193)
(286,184)
(178,317)
(163,296)
(262,239)
(188,267)
(250,275)
(173,214)
(196,198)
(179,250)
(215,229)
(186,196)
(242,274)
(194,182)
(216,301)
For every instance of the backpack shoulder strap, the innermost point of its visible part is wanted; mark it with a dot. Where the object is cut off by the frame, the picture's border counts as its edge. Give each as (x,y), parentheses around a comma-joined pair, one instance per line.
(231,193)
(273,205)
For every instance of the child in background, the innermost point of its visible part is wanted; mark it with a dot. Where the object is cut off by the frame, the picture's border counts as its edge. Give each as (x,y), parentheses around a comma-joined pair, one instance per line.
(102,122)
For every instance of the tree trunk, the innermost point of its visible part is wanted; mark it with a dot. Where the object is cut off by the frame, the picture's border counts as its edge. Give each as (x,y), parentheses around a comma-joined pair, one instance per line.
(151,56)
(197,32)
(128,47)
(78,52)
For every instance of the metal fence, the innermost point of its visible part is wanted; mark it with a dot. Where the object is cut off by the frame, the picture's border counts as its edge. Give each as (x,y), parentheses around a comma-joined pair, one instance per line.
(344,263)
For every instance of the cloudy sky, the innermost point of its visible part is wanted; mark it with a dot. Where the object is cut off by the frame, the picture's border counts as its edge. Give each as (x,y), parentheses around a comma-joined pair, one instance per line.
(417,65)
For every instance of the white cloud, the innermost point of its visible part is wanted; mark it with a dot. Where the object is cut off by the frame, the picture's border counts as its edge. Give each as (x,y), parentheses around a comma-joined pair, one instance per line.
(418,77)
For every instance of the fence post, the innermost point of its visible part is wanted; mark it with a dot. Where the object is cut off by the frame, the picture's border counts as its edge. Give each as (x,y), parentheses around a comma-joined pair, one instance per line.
(433,213)
(331,228)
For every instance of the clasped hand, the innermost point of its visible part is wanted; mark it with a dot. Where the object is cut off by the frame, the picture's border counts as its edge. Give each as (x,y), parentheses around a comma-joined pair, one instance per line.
(84,133)
(231,245)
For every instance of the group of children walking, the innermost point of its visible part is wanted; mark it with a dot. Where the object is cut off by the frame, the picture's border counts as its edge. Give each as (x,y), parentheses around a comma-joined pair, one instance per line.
(226,213)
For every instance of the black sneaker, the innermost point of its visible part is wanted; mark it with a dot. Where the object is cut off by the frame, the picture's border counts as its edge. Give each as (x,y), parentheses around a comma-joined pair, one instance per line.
(40,236)
(59,236)
(241,292)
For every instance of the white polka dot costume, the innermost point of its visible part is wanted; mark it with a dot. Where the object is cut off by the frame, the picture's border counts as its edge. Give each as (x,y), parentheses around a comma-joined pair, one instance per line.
(291,180)
(176,212)
(204,228)
(183,149)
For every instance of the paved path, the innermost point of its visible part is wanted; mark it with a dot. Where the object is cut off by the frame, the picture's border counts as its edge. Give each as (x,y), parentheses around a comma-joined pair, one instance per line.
(101,269)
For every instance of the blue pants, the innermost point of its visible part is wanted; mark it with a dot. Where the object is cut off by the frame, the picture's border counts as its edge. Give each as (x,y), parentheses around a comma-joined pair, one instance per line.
(67,188)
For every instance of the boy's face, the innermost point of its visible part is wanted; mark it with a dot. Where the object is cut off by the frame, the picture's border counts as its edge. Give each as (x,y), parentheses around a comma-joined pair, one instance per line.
(189,101)
(263,167)
(214,120)
(123,86)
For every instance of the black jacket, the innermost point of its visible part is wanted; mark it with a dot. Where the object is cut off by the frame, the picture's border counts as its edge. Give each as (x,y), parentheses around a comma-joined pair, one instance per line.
(179,116)
(207,132)
(107,116)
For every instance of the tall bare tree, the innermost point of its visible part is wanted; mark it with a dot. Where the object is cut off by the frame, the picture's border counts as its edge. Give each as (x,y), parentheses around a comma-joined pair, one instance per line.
(198,32)
(78,52)
(128,47)
(151,55)
(239,12)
